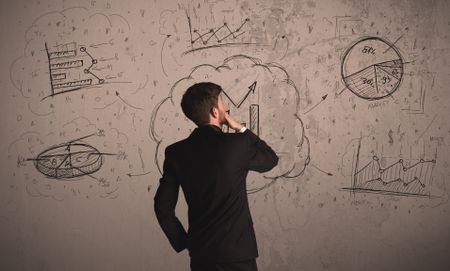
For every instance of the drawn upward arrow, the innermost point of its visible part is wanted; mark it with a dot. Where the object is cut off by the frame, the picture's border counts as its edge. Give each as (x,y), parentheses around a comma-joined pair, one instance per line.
(323,99)
(251,88)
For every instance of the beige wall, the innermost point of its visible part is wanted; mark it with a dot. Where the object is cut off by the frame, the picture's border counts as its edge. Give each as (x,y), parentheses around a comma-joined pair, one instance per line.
(344,91)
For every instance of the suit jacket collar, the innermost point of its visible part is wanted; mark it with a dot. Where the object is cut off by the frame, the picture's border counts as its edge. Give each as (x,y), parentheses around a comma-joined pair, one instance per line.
(206,129)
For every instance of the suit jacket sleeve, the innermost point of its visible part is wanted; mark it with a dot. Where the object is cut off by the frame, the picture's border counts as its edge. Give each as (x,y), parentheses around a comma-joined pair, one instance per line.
(165,201)
(261,157)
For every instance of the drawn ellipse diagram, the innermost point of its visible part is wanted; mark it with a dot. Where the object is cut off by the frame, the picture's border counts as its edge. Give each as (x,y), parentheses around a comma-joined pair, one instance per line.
(372,68)
(69,160)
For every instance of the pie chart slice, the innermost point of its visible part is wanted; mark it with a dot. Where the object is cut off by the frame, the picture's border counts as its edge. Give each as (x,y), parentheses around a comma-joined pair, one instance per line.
(386,82)
(363,82)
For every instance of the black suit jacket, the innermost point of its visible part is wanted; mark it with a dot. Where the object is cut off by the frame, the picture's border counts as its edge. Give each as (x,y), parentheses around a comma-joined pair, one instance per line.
(211,166)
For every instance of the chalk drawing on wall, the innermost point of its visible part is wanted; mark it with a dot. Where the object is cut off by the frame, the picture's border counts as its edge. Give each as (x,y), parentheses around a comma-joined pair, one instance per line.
(398,178)
(223,35)
(248,86)
(416,105)
(77,56)
(69,160)
(372,68)
(253,117)
(69,71)
(346,26)
(186,33)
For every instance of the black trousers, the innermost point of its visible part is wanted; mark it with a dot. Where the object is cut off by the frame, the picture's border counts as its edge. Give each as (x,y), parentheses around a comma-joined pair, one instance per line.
(247,265)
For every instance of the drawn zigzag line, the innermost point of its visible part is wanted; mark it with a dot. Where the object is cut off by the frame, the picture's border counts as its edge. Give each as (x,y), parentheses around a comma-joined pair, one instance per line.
(415,179)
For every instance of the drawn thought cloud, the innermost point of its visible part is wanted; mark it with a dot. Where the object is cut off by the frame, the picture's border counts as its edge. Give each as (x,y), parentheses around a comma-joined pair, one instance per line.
(258,94)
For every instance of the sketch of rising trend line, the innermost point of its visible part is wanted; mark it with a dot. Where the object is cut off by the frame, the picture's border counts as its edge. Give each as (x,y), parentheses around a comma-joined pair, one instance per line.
(220,34)
(251,89)
(396,178)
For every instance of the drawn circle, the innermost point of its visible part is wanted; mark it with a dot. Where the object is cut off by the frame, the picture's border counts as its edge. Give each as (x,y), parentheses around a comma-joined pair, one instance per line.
(94,61)
(83,49)
(101,81)
(372,68)
(69,161)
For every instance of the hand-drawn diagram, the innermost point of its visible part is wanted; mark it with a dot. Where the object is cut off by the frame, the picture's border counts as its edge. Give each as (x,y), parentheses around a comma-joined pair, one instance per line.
(257,93)
(66,69)
(416,103)
(193,35)
(77,165)
(69,160)
(253,119)
(347,26)
(396,178)
(218,37)
(372,68)
(84,55)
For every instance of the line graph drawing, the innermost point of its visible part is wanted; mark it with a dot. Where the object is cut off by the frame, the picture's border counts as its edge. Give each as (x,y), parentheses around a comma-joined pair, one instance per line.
(372,68)
(221,36)
(251,89)
(395,179)
(65,63)
(70,159)
(253,119)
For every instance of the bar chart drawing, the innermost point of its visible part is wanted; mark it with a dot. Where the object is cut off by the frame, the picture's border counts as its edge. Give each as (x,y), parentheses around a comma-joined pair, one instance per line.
(70,68)
(253,119)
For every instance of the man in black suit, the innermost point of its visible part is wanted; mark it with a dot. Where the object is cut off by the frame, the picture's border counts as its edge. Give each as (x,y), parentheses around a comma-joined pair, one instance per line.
(211,166)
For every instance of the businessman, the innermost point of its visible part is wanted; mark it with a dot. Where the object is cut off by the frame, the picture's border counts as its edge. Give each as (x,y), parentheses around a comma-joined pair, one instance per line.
(211,167)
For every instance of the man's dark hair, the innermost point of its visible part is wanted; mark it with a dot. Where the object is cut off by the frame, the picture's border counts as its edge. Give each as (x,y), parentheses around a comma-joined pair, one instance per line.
(198,100)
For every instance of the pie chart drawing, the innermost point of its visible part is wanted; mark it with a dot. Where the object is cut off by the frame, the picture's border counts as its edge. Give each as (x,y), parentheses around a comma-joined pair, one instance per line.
(69,160)
(372,68)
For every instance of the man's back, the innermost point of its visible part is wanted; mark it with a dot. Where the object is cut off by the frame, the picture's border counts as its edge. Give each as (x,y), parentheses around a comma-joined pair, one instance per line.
(211,167)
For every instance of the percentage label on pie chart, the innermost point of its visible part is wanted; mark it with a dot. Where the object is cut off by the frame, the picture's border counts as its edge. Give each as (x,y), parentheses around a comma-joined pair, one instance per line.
(372,68)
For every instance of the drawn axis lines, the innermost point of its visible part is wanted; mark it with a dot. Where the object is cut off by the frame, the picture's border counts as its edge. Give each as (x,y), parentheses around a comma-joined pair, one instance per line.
(65,65)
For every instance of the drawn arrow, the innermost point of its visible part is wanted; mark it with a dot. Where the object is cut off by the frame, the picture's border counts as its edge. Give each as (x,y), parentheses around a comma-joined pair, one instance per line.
(162,48)
(251,88)
(134,175)
(323,99)
(118,95)
(287,46)
(328,173)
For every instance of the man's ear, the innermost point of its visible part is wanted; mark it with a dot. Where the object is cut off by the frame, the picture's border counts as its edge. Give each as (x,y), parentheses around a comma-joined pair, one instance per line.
(214,112)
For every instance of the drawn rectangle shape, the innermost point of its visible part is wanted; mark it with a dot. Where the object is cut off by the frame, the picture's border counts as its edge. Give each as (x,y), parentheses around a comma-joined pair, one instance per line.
(79,83)
(58,76)
(254,118)
(61,54)
(67,65)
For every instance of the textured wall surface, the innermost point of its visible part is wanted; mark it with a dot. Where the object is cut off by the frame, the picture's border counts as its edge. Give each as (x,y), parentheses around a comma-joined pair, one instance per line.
(352,95)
